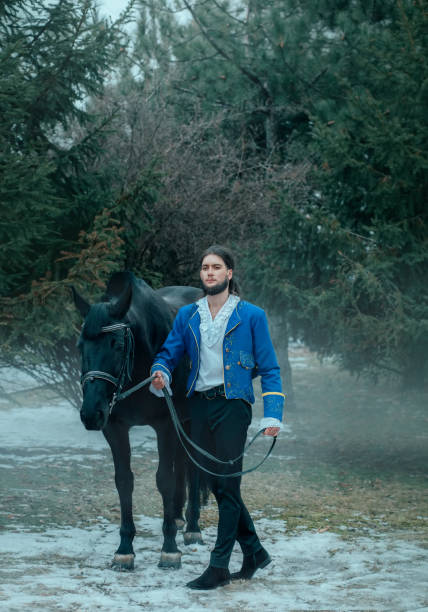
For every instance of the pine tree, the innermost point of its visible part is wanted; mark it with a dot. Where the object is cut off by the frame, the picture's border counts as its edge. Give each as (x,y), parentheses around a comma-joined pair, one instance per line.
(247,60)
(348,259)
(53,56)
(374,182)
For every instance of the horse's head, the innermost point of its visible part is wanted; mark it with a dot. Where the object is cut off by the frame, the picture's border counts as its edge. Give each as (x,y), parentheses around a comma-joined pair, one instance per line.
(106,346)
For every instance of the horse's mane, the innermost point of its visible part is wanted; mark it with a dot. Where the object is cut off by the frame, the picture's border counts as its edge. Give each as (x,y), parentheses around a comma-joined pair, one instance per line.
(149,315)
(177,296)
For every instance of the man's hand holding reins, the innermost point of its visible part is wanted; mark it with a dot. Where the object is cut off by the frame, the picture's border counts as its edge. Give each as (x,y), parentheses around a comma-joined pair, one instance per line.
(271,431)
(158,382)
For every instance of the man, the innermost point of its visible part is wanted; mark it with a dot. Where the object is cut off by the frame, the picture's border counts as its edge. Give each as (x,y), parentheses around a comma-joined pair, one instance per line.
(228,342)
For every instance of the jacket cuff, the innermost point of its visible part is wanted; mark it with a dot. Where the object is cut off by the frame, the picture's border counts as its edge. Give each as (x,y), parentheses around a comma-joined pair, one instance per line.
(273,402)
(159,367)
(270,422)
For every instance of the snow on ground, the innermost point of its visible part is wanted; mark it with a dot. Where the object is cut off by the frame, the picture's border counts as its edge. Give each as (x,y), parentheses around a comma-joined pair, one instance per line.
(58,425)
(68,568)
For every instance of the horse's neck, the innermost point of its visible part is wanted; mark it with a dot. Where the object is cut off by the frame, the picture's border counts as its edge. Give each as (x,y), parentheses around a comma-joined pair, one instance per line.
(150,331)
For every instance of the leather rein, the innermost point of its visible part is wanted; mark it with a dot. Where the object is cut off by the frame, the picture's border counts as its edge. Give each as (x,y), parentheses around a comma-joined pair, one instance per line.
(119,395)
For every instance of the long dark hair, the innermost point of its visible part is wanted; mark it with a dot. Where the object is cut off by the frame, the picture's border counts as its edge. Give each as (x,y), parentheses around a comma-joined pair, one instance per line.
(229,260)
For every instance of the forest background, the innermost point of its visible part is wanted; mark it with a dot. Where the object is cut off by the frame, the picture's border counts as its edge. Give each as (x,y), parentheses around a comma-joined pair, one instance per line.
(295,132)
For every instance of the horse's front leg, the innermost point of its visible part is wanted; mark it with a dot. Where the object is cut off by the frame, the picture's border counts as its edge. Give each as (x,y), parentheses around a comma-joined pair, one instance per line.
(166,482)
(117,435)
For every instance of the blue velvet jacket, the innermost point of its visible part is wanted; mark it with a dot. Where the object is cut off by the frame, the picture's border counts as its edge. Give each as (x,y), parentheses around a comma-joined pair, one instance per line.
(247,352)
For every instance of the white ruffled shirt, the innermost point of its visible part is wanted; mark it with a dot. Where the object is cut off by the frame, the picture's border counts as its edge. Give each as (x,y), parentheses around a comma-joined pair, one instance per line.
(211,372)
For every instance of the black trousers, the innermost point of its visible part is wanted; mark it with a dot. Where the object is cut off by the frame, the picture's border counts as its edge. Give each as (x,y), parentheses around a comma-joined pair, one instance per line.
(220,426)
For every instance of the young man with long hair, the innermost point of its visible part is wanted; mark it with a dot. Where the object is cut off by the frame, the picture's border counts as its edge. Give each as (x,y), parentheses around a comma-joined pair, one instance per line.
(228,342)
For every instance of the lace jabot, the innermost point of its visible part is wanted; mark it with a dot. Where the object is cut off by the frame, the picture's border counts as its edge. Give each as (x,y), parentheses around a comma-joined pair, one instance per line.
(212,331)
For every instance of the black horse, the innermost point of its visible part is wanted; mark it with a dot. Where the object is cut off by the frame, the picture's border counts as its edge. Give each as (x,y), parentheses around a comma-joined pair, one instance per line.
(119,339)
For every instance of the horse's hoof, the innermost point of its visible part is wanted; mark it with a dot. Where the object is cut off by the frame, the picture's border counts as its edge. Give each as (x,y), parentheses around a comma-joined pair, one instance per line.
(122,563)
(170,560)
(192,537)
(179,523)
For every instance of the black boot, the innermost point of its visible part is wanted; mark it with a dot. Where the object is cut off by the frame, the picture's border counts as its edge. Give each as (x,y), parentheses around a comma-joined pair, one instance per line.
(212,578)
(251,563)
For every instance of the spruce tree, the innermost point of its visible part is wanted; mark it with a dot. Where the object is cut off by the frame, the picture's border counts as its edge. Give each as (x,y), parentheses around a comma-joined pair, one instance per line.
(373,178)
(53,57)
(347,257)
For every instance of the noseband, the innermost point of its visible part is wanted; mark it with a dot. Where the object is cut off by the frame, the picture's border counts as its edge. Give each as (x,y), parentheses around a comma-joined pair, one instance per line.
(126,369)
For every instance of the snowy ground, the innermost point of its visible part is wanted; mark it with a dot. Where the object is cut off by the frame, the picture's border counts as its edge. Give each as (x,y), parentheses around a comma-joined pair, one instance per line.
(67,568)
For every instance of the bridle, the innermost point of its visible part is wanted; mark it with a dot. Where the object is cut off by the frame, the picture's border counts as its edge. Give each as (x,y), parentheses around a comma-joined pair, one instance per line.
(118,395)
(125,370)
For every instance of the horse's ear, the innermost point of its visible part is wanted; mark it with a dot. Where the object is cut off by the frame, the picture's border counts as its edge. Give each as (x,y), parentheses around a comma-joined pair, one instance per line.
(118,308)
(81,304)
(117,283)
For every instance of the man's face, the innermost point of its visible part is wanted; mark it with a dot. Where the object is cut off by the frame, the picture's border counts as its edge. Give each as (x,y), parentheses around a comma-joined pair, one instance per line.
(215,276)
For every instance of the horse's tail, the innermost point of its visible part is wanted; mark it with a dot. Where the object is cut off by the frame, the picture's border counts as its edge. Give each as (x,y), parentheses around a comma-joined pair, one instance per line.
(203,481)
(204,489)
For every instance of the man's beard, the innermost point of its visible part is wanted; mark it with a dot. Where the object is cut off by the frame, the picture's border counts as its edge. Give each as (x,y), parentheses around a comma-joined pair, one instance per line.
(216,289)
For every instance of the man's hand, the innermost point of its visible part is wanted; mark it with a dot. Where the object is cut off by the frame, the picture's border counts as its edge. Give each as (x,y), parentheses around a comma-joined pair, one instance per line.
(271,431)
(158,382)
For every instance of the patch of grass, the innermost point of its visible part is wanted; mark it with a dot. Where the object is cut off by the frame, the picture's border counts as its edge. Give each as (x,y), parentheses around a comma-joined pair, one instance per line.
(349,507)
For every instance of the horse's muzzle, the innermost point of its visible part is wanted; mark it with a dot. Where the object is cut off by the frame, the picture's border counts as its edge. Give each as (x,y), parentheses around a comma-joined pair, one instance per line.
(94,420)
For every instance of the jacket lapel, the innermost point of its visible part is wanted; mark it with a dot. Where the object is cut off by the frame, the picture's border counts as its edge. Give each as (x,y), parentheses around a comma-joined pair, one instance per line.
(234,320)
(194,323)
